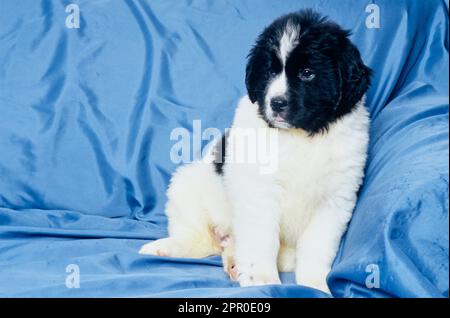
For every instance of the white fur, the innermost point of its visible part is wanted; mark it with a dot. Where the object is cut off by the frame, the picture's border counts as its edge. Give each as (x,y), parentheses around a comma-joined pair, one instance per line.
(288,41)
(290,220)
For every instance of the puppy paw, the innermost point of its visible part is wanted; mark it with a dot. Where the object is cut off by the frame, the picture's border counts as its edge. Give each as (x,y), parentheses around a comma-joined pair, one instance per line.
(228,261)
(254,276)
(229,266)
(161,247)
(286,259)
(231,270)
(257,279)
(314,278)
(317,284)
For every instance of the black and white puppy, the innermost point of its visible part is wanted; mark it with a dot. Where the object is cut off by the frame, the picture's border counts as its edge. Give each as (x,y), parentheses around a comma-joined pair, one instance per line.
(306,82)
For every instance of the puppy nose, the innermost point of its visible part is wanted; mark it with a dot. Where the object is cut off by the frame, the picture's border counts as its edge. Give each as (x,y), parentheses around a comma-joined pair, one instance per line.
(278,104)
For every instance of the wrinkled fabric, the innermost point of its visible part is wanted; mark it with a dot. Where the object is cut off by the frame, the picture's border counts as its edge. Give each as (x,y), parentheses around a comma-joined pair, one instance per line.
(85,121)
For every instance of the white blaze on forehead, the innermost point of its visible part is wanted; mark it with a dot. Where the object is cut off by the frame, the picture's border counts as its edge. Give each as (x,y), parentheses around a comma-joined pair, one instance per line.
(288,41)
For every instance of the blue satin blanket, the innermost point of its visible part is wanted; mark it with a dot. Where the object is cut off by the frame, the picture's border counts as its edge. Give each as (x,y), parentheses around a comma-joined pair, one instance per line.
(85,121)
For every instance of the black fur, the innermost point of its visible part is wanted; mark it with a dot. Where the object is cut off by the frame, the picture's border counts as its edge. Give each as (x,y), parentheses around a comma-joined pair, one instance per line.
(219,154)
(340,81)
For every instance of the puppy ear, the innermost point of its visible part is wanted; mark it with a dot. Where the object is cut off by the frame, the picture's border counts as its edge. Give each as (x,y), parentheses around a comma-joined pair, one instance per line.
(253,73)
(355,77)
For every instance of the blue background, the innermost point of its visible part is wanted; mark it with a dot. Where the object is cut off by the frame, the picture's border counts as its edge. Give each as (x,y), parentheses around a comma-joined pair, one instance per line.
(85,120)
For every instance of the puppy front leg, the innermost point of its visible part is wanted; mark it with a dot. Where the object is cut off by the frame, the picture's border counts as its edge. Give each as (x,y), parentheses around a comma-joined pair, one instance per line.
(256,214)
(317,247)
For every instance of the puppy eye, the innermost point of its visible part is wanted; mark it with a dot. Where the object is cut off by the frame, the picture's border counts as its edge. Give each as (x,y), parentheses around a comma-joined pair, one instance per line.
(306,75)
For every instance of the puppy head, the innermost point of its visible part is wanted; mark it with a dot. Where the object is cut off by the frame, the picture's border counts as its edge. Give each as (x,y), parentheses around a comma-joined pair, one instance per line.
(305,73)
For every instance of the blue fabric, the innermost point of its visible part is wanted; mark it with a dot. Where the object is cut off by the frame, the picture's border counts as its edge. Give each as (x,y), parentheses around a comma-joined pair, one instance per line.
(85,122)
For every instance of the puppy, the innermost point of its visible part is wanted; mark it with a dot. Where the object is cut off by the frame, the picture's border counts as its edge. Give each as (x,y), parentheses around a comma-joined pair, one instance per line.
(306,82)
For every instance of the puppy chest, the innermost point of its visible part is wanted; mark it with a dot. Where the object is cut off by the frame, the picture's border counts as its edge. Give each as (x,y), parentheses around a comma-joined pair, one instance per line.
(303,168)
(302,176)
